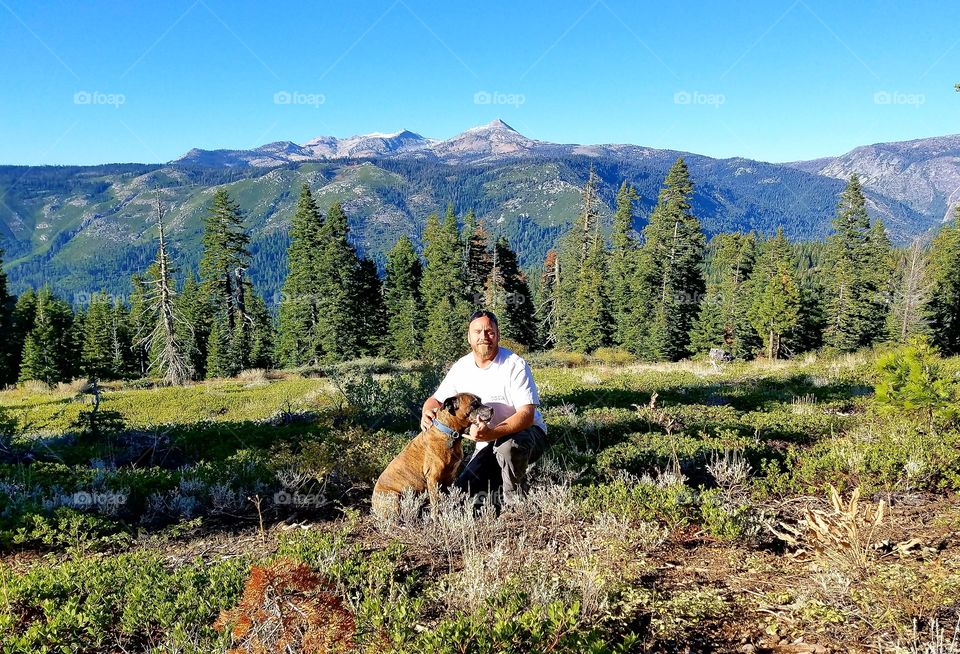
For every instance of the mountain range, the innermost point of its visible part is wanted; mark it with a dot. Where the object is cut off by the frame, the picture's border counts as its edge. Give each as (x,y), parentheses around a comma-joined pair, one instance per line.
(86,228)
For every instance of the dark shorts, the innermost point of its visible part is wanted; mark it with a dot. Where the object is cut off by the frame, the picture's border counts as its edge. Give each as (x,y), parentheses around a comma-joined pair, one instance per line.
(501,466)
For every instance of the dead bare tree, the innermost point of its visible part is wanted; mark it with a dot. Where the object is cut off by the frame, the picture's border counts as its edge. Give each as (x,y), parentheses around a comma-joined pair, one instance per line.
(164,342)
(912,292)
(547,310)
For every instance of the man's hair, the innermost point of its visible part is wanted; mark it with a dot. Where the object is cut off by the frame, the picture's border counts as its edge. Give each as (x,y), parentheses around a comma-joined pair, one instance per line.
(483,313)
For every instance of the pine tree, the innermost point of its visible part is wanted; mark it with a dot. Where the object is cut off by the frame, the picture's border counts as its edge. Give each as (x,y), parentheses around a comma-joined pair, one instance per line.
(442,290)
(723,322)
(98,357)
(508,296)
(671,268)
(339,302)
(259,336)
(402,298)
(580,297)
(222,275)
(299,312)
(8,353)
(372,311)
(856,255)
(811,324)
(24,316)
(944,306)
(220,357)
(622,271)
(590,319)
(912,291)
(49,350)
(477,260)
(195,327)
(879,265)
(121,345)
(775,294)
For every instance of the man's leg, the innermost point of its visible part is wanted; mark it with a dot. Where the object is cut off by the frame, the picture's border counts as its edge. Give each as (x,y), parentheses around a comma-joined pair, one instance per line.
(514,453)
(482,474)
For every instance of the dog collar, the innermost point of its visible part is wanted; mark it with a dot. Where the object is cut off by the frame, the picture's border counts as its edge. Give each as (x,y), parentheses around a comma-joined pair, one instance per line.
(452,435)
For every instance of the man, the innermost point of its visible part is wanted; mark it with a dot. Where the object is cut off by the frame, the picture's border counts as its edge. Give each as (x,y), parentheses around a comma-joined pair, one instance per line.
(517,434)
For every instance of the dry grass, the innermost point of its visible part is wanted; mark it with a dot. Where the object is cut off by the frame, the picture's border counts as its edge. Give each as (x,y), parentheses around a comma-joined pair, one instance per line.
(934,639)
(840,539)
(76,386)
(542,545)
(261,375)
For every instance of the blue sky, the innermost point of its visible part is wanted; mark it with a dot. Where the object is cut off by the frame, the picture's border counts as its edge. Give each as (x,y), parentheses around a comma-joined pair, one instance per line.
(96,82)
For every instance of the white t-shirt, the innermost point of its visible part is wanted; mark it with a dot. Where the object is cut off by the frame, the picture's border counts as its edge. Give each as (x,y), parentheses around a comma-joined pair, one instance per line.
(504,385)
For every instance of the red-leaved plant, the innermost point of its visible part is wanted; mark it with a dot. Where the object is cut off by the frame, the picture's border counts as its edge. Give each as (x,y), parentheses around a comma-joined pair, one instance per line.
(287,607)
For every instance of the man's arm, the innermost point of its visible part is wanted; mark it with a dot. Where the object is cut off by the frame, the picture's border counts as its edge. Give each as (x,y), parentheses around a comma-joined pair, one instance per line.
(519,421)
(429,412)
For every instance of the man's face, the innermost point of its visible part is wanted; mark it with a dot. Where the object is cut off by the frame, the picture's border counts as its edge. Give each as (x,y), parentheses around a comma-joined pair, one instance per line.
(483,337)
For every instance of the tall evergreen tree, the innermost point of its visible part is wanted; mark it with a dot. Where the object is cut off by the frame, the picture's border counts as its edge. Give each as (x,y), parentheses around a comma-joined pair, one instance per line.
(588,324)
(220,355)
(879,266)
(24,317)
(622,271)
(339,301)
(723,321)
(580,297)
(299,311)
(402,298)
(121,344)
(775,294)
(477,260)
(8,353)
(944,306)
(855,253)
(259,334)
(49,351)
(808,333)
(508,296)
(372,311)
(193,307)
(671,268)
(99,354)
(442,290)
(223,269)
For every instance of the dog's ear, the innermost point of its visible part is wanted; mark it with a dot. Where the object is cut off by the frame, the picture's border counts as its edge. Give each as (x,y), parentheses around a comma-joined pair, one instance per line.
(451,404)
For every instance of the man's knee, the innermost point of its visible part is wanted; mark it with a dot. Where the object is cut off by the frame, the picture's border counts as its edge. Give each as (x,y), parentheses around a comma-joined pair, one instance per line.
(528,444)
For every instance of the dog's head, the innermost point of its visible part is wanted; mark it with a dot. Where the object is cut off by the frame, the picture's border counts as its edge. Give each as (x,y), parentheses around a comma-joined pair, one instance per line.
(464,409)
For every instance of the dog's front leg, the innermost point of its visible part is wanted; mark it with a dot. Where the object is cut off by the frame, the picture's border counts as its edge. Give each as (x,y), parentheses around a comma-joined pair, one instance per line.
(432,476)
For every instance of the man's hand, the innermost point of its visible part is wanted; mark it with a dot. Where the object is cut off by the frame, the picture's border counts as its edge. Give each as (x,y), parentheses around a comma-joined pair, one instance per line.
(426,418)
(481,433)
(484,433)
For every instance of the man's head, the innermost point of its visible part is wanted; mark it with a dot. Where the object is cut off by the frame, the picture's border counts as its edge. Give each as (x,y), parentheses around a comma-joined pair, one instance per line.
(483,334)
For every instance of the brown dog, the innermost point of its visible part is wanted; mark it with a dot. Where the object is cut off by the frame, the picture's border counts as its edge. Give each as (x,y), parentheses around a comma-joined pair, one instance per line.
(430,461)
